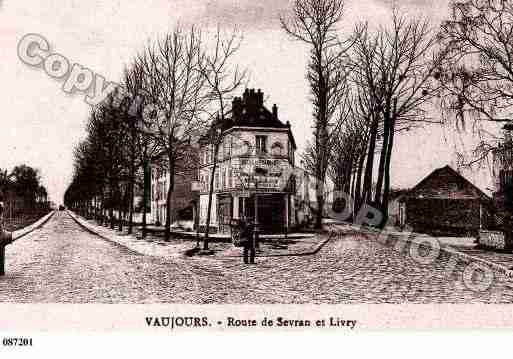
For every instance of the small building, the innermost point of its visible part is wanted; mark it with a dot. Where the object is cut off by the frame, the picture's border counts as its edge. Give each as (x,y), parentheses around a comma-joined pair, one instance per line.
(446,203)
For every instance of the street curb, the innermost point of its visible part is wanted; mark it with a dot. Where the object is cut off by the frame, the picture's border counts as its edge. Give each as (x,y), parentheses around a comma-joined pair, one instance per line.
(447,250)
(32,227)
(311,253)
(92,231)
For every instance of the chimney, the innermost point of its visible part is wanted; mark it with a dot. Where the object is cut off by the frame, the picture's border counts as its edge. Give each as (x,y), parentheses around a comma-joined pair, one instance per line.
(236,107)
(260,96)
(252,101)
(275,111)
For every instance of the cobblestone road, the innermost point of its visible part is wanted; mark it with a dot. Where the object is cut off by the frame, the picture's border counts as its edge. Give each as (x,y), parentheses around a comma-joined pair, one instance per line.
(61,262)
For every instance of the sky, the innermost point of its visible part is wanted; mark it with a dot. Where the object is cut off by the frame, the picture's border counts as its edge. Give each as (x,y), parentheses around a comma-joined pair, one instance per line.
(41,124)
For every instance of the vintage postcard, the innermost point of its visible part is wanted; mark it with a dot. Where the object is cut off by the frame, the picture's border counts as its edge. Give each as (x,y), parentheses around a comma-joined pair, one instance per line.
(255,166)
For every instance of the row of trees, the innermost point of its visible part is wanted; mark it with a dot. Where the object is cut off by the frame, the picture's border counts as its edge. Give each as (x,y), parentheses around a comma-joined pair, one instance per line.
(365,87)
(375,82)
(170,96)
(21,189)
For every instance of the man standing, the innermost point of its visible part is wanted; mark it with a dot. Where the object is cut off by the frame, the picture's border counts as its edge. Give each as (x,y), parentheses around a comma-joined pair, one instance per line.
(248,241)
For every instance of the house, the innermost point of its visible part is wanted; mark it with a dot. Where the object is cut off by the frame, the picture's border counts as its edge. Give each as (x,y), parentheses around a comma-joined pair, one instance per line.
(446,203)
(254,172)
(185,195)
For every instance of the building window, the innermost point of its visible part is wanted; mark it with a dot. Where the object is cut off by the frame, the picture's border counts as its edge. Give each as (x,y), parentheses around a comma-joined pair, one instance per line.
(226,148)
(261,144)
(217,181)
(276,149)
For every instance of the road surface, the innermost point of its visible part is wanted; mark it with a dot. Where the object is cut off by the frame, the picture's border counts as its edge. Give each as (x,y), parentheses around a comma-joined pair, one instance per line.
(63,263)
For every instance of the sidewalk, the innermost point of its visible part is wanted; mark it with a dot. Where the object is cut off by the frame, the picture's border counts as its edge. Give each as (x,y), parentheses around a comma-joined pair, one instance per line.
(226,237)
(26,230)
(465,248)
(150,246)
(276,247)
(183,242)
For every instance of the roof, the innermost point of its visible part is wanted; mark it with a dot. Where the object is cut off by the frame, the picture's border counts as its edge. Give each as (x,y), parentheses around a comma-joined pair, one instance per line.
(445,182)
(257,117)
(249,111)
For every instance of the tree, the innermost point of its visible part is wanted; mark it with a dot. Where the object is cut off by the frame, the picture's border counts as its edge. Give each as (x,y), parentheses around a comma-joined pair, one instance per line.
(175,88)
(477,74)
(102,165)
(314,22)
(393,71)
(221,80)
(26,183)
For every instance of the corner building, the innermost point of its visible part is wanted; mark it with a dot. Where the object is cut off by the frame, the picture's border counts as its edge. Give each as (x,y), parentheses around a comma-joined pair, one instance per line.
(254,175)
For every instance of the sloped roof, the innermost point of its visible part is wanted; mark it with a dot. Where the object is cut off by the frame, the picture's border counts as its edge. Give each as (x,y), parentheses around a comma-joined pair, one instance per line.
(259,117)
(445,182)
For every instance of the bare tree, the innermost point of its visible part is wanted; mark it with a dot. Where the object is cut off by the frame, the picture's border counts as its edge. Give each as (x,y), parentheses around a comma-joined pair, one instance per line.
(477,74)
(133,80)
(315,22)
(175,87)
(393,70)
(222,79)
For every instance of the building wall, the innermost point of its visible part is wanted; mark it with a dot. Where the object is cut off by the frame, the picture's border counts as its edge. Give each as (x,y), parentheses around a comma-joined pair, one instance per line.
(237,156)
(445,215)
(184,195)
(445,202)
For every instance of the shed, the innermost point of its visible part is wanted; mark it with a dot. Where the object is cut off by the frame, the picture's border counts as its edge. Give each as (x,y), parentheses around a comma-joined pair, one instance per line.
(446,203)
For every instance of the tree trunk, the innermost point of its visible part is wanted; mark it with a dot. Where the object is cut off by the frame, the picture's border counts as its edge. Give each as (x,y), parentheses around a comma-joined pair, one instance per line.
(358,188)
(169,206)
(386,190)
(210,194)
(382,160)
(121,208)
(132,180)
(146,179)
(111,206)
(367,182)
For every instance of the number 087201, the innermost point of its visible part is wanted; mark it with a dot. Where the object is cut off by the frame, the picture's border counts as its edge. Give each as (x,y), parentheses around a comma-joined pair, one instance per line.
(16,342)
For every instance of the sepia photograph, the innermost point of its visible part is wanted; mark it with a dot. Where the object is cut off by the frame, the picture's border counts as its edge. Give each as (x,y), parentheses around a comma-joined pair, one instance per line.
(239,165)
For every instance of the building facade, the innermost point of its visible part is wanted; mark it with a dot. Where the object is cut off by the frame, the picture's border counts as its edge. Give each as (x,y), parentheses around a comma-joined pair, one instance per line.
(254,176)
(446,203)
(185,195)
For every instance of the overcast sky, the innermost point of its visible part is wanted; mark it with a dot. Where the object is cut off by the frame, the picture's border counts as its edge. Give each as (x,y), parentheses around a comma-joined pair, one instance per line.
(41,124)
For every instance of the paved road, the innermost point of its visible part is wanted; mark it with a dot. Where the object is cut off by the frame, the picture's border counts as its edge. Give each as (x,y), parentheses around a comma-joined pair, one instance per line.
(61,262)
